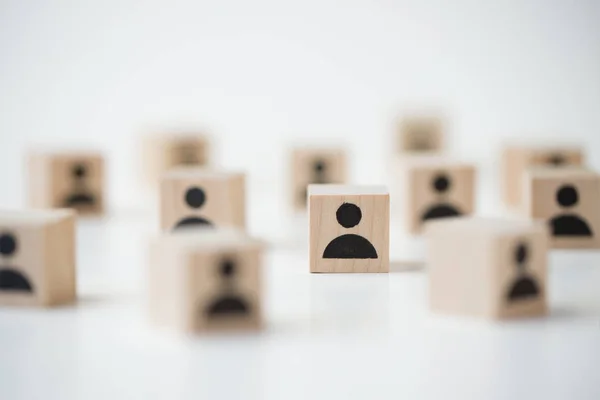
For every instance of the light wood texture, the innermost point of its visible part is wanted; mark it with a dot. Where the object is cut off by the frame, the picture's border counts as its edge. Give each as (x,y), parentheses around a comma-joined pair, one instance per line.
(368,230)
(67,180)
(224,197)
(474,265)
(188,284)
(433,187)
(420,134)
(37,247)
(517,158)
(568,200)
(161,152)
(315,165)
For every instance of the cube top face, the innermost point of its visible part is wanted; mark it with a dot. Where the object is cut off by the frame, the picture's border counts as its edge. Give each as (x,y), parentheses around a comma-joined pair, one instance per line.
(556,157)
(567,200)
(349,228)
(202,198)
(190,150)
(321,166)
(77,182)
(440,192)
(421,134)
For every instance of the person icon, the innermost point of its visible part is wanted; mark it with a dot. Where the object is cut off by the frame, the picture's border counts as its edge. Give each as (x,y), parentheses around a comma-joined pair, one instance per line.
(194,198)
(525,287)
(319,175)
(80,196)
(569,224)
(441,185)
(349,245)
(229,304)
(556,160)
(11,279)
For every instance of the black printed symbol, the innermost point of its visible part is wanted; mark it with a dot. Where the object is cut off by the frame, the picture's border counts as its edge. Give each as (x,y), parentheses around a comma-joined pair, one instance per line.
(195,197)
(557,160)
(441,184)
(569,224)
(229,304)
(319,175)
(525,287)
(11,279)
(80,197)
(354,246)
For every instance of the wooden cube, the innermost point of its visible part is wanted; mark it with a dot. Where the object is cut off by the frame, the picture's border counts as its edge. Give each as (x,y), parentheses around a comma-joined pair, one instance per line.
(349,228)
(206,280)
(196,197)
(37,257)
(434,187)
(420,134)
(568,200)
(516,160)
(67,180)
(162,152)
(487,267)
(313,165)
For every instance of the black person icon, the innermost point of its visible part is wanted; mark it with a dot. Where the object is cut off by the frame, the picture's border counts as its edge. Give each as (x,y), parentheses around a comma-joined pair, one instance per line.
(569,224)
(80,196)
(194,198)
(349,245)
(556,160)
(10,277)
(229,304)
(441,184)
(319,168)
(525,287)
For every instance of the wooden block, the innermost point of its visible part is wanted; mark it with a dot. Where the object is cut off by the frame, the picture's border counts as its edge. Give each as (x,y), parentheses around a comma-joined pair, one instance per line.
(420,134)
(568,200)
(37,257)
(487,267)
(313,165)
(434,187)
(206,280)
(202,197)
(516,160)
(349,228)
(67,180)
(162,152)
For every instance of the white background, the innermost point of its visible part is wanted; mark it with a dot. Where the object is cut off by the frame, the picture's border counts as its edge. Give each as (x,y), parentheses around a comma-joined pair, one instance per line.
(260,75)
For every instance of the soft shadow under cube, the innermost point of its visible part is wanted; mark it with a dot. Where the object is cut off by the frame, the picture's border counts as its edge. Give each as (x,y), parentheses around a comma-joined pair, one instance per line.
(197,197)
(162,152)
(517,159)
(420,134)
(206,280)
(568,200)
(315,165)
(37,257)
(67,180)
(487,267)
(349,228)
(432,188)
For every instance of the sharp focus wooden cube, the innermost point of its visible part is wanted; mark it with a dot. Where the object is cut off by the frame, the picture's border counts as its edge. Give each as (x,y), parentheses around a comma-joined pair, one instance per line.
(313,165)
(37,257)
(433,187)
(421,134)
(67,180)
(162,152)
(349,228)
(568,199)
(516,160)
(487,267)
(206,280)
(197,197)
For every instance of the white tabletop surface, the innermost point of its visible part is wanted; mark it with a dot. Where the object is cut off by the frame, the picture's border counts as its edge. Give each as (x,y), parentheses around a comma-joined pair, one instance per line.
(327,336)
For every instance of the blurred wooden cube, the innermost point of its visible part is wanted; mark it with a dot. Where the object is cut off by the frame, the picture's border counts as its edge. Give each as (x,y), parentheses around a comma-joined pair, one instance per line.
(420,134)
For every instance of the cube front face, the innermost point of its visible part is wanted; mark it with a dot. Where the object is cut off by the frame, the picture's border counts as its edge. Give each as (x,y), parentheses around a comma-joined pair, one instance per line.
(570,207)
(223,290)
(315,166)
(202,202)
(186,151)
(520,275)
(421,135)
(439,193)
(77,183)
(349,233)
